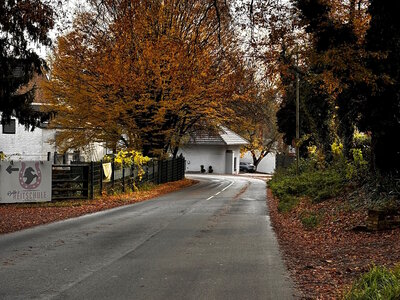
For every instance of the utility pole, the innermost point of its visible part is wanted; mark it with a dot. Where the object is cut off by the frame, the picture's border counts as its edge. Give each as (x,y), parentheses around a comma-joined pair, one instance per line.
(297,112)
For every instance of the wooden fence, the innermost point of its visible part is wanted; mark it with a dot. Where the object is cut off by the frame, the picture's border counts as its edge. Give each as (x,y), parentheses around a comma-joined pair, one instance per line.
(70,181)
(85,180)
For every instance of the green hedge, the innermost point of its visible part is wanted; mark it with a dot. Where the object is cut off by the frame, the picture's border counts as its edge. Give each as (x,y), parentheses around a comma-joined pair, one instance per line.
(315,184)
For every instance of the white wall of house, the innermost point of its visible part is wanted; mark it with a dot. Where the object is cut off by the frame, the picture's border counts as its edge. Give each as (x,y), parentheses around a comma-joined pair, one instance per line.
(34,145)
(94,152)
(27,145)
(267,164)
(236,152)
(210,155)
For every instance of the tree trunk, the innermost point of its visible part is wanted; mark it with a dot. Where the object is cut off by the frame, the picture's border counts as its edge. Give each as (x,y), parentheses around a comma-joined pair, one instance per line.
(175,152)
(257,160)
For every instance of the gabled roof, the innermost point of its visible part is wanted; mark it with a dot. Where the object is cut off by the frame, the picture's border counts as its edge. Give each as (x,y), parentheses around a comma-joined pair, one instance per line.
(224,137)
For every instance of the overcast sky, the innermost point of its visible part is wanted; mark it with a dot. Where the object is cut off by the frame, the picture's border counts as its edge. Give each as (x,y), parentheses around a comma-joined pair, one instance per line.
(66,11)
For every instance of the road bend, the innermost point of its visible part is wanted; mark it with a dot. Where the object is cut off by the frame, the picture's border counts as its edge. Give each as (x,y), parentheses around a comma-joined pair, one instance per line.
(212,240)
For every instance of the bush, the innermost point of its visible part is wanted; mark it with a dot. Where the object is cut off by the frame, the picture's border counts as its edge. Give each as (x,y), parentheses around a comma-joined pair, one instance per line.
(384,192)
(313,183)
(310,220)
(357,169)
(378,283)
(127,159)
(362,141)
(316,180)
(287,203)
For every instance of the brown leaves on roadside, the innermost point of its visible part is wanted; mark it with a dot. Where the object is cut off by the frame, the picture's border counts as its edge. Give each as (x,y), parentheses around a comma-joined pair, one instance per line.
(325,260)
(14,217)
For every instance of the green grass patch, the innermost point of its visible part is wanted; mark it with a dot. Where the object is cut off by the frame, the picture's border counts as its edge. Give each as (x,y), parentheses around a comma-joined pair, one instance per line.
(310,220)
(378,283)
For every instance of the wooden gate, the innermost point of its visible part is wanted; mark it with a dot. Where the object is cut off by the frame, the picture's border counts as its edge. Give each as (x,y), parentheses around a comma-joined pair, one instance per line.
(70,181)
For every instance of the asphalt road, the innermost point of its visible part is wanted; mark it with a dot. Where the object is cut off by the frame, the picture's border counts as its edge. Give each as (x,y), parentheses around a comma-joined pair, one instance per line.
(212,240)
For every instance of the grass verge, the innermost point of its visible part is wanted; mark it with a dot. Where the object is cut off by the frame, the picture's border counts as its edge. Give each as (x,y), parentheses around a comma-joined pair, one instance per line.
(379,283)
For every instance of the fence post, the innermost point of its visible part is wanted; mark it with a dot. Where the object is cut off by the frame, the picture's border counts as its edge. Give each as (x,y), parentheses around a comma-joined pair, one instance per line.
(85,179)
(159,167)
(147,172)
(173,172)
(154,174)
(112,171)
(164,179)
(101,177)
(132,177)
(168,170)
(183,167)
(91,180)
(178,168)
(123,177)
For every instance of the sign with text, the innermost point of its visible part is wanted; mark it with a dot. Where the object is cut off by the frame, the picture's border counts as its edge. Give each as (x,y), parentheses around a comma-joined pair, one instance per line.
(25,181)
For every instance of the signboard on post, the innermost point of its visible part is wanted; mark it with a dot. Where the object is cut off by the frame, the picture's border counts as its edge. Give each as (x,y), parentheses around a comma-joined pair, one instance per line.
(25,181)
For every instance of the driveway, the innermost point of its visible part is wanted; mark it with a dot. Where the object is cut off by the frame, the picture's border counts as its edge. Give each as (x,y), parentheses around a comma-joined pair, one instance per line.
(212,240)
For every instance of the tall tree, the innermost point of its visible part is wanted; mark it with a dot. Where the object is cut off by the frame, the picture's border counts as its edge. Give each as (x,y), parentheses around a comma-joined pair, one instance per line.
(315,113)
(142,74)
(381,107)
(23,24)
(336,63)
(253,115)
(270,32)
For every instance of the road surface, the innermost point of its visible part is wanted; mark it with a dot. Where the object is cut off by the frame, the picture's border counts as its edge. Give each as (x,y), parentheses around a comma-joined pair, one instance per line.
(212,240)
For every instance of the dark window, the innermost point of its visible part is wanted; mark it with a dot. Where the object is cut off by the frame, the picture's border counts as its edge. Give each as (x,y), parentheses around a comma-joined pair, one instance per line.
(9,128)
(76,156)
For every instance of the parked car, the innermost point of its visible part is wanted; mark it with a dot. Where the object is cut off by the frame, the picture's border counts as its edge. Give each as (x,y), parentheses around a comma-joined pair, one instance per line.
(247,167)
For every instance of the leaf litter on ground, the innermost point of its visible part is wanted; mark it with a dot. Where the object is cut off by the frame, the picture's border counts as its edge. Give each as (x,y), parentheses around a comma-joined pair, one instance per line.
(18,216)
(325,260)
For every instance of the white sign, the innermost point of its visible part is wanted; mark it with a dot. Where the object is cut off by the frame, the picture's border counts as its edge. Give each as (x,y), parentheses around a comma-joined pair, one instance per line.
(25,181)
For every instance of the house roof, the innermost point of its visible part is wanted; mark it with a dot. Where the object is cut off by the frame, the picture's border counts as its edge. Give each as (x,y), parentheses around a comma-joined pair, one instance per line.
(224,137)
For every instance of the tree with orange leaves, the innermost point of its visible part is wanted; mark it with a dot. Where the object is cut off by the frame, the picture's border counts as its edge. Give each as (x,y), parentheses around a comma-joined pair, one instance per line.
(253,115)
(142,74)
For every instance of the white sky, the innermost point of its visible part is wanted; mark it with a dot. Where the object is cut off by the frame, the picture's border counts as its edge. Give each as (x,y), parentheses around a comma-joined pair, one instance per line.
(68,7)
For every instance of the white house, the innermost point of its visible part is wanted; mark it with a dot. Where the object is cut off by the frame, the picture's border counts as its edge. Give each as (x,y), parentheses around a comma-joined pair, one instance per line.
(219,151)
(17,143)
(266,165)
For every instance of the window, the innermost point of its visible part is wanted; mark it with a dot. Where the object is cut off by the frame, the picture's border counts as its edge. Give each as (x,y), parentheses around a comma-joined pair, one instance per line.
(9,128)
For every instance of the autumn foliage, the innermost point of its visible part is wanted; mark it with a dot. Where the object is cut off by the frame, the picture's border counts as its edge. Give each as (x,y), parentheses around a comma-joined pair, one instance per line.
(253,115)
(142,74)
